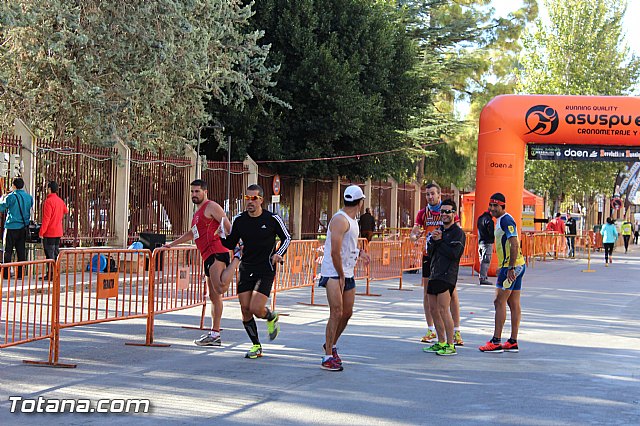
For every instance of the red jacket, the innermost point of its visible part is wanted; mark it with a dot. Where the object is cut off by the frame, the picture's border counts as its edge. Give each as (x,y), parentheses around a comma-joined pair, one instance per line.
(53,210)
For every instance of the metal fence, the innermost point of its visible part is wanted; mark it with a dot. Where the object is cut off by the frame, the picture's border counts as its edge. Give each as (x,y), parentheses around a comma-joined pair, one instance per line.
(284,208)
(316,207)
(157,194)
(159,199)
(10,144)
(221,179)
(381,204)
(406,208)
(84,175)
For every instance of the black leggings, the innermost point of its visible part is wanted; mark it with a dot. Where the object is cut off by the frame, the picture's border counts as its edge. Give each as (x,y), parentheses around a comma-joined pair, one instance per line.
(626,239)
(608,251)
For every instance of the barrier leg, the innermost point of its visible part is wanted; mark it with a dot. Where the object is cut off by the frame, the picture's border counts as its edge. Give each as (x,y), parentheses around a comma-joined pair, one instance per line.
(150,311)
(203,315)
(54,341)
(52,362)
(400,286)
(588,258)
(273,300)
(368,292)
(312,302)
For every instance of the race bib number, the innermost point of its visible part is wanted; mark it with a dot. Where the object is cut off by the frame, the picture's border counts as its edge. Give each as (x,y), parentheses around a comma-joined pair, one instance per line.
(353,258)
(194,229)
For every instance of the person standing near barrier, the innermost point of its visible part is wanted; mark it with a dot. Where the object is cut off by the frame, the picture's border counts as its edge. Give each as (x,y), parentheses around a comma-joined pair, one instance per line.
(257,228)
(428,220)
(51,231)
(204,226)
(337,272)
(445,249)
(626,230)
(367,224)
(18,206)
(559,228)
(572,231)
(609,236)
(485,245)
(509,283)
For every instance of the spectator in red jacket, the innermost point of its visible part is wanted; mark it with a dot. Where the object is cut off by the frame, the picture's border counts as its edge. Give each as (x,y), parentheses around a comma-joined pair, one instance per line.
(51,230)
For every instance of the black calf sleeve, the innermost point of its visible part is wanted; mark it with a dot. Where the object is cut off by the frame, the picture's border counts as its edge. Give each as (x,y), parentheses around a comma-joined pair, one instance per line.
(252,330)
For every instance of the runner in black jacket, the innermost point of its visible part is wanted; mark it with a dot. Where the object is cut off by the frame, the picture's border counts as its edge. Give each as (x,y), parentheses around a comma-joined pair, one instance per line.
(445,248)
(485,245)
(257,228)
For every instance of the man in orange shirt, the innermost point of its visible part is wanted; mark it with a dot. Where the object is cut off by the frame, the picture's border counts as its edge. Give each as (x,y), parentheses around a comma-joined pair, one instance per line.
(51,230)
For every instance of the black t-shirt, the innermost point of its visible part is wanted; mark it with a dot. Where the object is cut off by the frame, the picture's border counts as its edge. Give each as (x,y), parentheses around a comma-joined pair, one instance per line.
(486,228)
(571,226)
(367,222)
(258,235)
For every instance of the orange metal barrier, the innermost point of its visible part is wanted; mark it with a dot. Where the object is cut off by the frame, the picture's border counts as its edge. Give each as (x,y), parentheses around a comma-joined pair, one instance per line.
(28,308)
(362,270)
(177,282)
(386,260)
(91,296)
(412,253)
(597,240)
(552,245)
(526,246)
(470,251)
(298,269)
(316,258)
(232,292)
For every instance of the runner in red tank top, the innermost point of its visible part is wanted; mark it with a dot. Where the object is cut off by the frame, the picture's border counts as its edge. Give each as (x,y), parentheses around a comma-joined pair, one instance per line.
(427,221)
(218,267)
(205,229)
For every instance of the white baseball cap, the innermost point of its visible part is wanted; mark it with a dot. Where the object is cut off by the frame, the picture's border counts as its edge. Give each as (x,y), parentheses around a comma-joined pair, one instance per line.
(353,193)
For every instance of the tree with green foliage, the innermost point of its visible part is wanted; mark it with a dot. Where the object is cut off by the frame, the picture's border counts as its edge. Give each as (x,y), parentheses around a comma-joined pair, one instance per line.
(138,71)
(467,55)
(581,51)
(493,73)
(347,69)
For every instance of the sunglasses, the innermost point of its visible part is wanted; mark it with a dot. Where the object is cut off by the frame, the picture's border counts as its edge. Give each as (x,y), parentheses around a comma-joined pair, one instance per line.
(252,197)
(447,211)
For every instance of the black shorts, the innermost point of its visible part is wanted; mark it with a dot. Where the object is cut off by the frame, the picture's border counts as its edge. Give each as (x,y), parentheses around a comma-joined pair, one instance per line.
(262,282)
(349,283)
(426,266)
(222,257)
(438,286)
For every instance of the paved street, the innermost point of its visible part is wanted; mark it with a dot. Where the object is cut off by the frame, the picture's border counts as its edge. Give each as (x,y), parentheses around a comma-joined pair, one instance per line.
(579,361)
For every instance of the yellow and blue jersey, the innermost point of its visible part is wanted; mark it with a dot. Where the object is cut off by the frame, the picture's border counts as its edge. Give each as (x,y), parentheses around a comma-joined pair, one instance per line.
(505,229)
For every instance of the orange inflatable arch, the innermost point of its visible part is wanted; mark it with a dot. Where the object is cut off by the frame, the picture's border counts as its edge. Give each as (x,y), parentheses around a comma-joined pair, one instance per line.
(508,123)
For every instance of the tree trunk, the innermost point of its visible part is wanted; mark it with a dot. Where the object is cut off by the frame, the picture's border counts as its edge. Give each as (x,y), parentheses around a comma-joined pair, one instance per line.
(420,171)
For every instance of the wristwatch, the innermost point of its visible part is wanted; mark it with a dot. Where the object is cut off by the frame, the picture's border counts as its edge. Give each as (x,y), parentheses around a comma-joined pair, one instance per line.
(511,268)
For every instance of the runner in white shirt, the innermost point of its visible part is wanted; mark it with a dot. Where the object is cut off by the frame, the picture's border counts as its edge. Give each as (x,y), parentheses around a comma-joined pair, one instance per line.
(337,272)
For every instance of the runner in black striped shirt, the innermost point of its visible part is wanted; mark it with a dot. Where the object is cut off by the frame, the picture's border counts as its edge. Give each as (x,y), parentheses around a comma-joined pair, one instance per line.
(257,228)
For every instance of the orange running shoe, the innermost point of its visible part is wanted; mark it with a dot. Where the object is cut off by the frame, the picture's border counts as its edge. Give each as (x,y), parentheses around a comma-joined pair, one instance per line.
(510,347)
(492,347)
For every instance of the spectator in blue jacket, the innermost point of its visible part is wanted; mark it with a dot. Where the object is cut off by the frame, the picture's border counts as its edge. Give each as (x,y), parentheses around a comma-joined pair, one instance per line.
(609,237)
(18,206)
